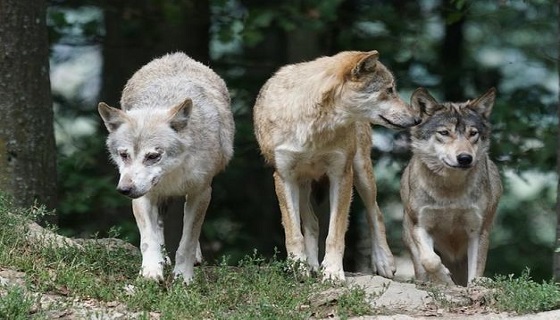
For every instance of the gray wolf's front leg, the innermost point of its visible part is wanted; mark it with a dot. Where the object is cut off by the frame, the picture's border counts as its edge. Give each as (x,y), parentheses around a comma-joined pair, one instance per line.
(152,242)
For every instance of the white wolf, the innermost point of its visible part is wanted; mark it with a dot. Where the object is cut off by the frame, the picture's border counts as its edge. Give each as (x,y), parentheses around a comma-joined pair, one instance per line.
(172,136)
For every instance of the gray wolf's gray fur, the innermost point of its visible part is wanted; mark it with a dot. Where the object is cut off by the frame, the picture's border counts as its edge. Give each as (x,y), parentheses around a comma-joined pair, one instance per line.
(450,189)
(172,136)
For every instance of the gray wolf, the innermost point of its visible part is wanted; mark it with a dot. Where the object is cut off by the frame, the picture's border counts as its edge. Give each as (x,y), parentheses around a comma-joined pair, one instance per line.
(450,189)
(312,120)
(172,136)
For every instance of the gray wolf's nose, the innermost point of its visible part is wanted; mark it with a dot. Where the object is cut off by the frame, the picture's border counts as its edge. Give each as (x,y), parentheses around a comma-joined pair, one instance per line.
(464,159)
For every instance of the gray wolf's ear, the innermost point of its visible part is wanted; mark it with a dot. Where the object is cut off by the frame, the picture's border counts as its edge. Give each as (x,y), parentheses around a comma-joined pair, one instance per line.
(112,117)
(423,102)
(365,65)
(483,104)
(179,115)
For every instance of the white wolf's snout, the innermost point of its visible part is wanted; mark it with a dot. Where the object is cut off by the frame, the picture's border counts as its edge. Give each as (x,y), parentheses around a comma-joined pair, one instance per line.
(134,185)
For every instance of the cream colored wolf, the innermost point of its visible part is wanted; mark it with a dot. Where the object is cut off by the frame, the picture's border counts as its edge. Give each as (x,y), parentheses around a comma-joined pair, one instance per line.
(313,120)
(172,136)
(450,189)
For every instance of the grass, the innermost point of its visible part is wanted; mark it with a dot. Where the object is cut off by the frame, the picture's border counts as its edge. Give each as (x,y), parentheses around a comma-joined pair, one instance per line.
(255,288)
(523,295)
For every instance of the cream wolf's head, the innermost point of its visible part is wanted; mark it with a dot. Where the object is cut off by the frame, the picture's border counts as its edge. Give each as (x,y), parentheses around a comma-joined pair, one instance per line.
(451,135)
(145,144)
(369,91)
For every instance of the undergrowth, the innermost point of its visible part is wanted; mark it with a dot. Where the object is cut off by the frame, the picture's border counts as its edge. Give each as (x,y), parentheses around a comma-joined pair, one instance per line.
(255,288)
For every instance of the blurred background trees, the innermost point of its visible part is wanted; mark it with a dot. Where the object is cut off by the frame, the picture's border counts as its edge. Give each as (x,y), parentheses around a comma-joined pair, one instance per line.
(457,49)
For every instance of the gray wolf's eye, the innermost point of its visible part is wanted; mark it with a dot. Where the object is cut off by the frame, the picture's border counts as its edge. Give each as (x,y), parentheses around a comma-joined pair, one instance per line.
(473,133)
(443,132)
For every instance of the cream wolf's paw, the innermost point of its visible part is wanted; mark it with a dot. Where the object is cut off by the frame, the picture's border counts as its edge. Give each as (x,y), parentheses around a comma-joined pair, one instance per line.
(383,263)
(333,271)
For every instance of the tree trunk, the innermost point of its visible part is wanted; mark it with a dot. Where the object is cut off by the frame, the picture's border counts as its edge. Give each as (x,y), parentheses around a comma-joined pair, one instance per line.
(27,146)
(451,53)
(556,258)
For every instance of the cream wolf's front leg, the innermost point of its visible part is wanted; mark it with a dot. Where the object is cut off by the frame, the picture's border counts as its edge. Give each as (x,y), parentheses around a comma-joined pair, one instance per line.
(150,225)
(194,213)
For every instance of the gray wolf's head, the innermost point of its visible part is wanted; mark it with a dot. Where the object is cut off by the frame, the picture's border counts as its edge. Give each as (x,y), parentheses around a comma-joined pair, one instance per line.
(145,144)
(451,135)
(369,90)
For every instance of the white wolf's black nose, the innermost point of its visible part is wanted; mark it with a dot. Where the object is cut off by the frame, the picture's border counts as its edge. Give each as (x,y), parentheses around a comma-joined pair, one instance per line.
(125,190)
(464,159)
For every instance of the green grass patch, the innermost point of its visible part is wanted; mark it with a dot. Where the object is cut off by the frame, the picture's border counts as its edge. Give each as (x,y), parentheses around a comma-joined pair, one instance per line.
(523,295)
(255,288)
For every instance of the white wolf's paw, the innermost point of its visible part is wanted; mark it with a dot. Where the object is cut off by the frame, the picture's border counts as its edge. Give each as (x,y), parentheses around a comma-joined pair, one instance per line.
(152,272)
(383,263)
(185,276)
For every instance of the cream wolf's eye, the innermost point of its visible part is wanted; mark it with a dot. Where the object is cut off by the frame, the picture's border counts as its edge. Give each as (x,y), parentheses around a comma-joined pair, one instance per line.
(443,132)
(389,90)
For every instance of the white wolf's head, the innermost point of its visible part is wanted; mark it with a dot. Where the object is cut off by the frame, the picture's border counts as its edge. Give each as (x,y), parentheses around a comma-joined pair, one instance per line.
(451,135)
(145,144)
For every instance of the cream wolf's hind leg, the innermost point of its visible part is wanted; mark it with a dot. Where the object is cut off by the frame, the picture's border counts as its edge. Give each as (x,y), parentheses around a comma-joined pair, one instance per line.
(382,261)
(288,193)
(310,226)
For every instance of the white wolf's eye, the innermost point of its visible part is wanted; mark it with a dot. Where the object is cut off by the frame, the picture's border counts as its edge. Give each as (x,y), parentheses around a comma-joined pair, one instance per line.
(123,155)
(443,132)
(152,157)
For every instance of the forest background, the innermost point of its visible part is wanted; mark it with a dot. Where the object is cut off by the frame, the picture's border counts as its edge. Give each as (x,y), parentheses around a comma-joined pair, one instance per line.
(457,49)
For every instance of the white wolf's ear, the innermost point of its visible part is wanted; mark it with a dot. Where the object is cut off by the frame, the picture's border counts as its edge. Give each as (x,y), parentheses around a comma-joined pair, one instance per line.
(483,104)
(365,65)
(112,117)
(423,102)
(179,115)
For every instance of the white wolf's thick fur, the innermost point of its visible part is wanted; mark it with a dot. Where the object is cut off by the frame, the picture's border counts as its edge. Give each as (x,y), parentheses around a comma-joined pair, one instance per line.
(174,134)
(313,120)
(450,189)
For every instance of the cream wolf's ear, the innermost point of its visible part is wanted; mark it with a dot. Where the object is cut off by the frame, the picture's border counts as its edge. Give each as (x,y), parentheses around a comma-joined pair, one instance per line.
(179,115)
(423,102)
(365,65)
(112,117)
(483,104)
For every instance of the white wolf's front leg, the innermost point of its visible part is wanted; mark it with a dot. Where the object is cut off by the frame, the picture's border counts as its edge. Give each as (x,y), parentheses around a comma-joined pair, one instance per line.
(194,213)
(150,226)
(340,194)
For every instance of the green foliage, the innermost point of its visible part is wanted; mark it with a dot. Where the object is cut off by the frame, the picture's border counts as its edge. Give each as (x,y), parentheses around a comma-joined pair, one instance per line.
(15,304)
(255,288)
(523,295)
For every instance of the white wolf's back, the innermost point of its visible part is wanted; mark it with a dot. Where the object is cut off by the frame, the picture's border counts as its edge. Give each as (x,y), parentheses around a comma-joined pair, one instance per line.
(169,80)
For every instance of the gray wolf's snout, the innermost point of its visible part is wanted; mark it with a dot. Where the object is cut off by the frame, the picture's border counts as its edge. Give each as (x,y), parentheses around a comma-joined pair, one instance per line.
(464,160)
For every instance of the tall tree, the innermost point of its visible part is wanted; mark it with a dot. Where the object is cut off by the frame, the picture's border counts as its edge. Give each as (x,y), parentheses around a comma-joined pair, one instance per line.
(556,258)
(27,146)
